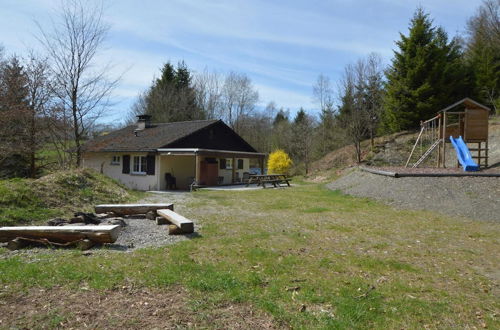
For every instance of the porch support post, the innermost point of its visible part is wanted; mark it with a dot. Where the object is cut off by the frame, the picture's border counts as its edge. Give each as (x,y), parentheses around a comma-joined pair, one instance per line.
(197,168)
(157,171)
(261,163)
(233,170)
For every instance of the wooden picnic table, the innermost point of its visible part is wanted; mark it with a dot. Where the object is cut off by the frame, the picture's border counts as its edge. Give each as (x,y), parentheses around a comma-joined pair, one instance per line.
(274,179)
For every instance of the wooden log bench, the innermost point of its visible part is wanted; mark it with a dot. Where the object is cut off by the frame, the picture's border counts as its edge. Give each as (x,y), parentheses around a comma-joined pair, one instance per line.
(62,234)
(129,209)
(185,225)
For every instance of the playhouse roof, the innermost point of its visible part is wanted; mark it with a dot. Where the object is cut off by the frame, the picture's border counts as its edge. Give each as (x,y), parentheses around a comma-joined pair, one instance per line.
(469,104)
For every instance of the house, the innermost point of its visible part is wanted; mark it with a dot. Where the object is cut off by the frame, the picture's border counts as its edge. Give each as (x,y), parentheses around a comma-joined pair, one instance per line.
(165,156)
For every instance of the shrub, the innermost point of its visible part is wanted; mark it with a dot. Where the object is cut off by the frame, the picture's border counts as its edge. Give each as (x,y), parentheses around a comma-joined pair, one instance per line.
(279,162)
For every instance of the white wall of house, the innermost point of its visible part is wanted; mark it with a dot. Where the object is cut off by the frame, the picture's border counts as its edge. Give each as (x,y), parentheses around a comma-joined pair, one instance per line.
(102,162)
(228,173)
(182,167)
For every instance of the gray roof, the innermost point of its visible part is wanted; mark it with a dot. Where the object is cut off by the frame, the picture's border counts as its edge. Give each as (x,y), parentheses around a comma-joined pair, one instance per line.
(149,139)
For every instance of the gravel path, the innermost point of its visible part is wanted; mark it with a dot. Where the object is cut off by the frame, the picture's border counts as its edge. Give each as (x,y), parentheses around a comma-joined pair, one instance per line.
(141,233)
(476,198)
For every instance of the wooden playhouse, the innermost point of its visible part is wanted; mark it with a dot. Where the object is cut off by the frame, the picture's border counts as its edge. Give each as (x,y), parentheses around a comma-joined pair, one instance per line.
(466,118)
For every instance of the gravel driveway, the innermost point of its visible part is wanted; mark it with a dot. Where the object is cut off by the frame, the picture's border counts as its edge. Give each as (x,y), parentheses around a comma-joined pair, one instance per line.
(470,197)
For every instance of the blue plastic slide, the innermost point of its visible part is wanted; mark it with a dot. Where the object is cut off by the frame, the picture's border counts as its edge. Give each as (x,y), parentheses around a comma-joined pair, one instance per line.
(463,154)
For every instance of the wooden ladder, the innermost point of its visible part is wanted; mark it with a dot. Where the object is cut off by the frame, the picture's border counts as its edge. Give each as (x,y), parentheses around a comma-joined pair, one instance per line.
(427,153)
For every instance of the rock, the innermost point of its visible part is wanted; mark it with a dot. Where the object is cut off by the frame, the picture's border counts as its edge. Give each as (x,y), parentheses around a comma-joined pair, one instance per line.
(151,215)
(77,219)
(114,221)
(57,222)
(101,216)
(84,244)
(88,217)
(162,221)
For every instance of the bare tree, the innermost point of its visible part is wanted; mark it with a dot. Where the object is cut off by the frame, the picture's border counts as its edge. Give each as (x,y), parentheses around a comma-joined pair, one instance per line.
(372,83)
(352,116)
(238,98)
(208,87)
(361,100)
(323,92)
(39,97)
(324,97)
(72,45)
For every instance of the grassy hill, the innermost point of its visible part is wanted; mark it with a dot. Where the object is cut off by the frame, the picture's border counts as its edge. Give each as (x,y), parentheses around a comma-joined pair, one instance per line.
(57,194)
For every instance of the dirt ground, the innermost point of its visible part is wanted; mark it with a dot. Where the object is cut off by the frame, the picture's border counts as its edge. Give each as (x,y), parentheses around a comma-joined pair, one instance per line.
(123,308)
(470,197)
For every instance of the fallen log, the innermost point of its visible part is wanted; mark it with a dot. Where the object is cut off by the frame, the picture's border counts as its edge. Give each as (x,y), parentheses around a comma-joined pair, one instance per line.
(62,234)
(21,242)
(126,209)
(184,224)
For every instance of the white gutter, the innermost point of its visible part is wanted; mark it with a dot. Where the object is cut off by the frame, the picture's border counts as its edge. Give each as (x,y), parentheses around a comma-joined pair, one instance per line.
(198,150)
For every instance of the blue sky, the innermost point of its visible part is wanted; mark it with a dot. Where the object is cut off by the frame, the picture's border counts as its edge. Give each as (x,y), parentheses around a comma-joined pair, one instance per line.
(281,45)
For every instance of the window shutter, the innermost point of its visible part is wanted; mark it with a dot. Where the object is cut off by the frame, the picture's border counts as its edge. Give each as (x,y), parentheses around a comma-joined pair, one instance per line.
(150,160)
(222,163)
(240,164)
(126,164)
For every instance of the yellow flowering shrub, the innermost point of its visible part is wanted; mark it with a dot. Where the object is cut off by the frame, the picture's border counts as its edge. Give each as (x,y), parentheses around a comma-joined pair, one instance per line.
(279,162)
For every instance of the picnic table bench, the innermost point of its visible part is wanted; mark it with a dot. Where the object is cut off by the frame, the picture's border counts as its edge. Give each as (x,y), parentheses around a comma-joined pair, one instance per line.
(275,179)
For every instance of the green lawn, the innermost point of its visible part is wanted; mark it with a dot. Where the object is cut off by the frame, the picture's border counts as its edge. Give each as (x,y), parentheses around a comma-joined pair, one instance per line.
(306,256)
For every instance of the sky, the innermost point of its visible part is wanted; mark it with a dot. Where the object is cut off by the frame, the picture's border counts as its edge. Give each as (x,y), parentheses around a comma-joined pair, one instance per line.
(281,45)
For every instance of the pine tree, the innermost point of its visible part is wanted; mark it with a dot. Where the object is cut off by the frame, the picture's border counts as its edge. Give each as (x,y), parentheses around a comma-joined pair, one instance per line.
(171,97)
(13,117)
(427,74)
(302,138)
(483,52)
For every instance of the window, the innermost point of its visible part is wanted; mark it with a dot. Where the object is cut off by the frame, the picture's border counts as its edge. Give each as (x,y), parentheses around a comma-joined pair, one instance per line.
(240,164)
(229,164)
(140,165)
(115,160)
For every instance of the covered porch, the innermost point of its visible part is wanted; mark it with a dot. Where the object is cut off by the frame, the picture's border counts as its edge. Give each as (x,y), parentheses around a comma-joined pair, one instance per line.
(179,168)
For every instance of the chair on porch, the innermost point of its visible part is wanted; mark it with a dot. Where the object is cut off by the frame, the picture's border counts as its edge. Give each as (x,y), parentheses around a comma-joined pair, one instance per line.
(171,181)
(220,180)
(246,177)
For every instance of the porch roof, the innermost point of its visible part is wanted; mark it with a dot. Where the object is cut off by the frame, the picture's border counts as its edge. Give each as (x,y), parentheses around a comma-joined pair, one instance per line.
(209,152)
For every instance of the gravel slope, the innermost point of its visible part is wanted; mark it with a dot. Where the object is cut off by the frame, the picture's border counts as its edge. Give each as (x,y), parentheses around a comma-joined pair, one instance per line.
(476,198)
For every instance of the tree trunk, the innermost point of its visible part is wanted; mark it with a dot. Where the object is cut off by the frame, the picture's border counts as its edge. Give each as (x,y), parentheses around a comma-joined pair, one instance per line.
(62,234)
(127,209)
(372,140)
(32,147)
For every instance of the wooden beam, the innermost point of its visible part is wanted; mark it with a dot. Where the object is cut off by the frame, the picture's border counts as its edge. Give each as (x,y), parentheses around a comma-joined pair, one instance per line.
(233,174)
(486,159)
(444,139)
(62,234)
(127,209)
(186,225)
(439,147)
(197,169)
